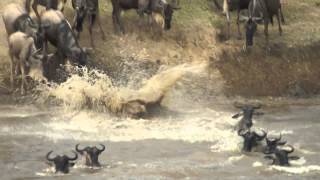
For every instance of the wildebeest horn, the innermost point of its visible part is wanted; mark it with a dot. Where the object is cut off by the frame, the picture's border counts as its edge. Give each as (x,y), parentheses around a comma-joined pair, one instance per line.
(48,156)
(258,106)
(103,148)
(262,136)
(79,150)
(238,105)
(74,158)
(274,139)
(242,132)
(291,149)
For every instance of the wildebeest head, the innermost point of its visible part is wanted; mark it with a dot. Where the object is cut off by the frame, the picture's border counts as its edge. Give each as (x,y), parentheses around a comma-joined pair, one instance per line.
(80,56)
(251,139)
(272,143)
(91,154)
(247,112)
(281,156)
(62,163)
(135,108)
(168,13)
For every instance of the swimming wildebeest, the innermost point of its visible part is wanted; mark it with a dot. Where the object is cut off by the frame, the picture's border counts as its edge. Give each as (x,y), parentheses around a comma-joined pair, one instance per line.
(281,157)
(24,58)
(251,139)
(247,113)
(261,10)
(273,143)
(62,163)
(49,4)
(83,9)
(91,154)
(16,18)
(142,6)
(59,33)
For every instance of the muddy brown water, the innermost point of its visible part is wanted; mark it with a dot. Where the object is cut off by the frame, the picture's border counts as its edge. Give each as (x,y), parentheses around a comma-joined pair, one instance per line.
(196,143)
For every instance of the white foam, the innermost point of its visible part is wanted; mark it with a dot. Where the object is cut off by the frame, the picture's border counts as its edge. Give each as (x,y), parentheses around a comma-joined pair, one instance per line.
(296,170)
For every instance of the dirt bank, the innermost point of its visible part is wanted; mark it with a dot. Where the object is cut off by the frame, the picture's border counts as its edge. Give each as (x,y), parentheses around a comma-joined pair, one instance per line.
(289,69)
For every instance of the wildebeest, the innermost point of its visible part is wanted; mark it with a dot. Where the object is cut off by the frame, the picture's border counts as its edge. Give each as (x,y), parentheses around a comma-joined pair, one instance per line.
(24,58)
(91,154)
(89,8)
(273,143)
(251,139)
(247,112)
(281,157)
(16,18)
(142,6)
(261,10)
(59,33)
(62,163)
(230,5)
(49,4)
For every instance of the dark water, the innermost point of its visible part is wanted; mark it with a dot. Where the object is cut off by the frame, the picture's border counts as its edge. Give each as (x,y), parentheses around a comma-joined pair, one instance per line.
(196,144)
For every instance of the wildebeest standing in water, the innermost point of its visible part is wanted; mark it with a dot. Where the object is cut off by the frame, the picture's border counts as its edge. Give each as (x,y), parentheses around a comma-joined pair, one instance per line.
(62,163)
(16,18)
(91,154)
(59,33)
(142,6)
(261,10)
(83,9)
(251,139)
(247,112)
(281,156)
(49,4)
(273,143)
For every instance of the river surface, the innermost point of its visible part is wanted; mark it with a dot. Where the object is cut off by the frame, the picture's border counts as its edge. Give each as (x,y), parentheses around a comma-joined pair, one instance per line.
(187,144)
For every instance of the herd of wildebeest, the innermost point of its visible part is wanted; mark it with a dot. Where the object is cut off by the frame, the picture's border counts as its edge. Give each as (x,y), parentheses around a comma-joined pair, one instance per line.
(275,149)
(28,49)
(28,37)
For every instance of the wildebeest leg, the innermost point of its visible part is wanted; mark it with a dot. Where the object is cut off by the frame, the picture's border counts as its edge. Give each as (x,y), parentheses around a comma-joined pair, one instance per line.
(116,21)
(34,7)
(100,27)
(266,34)
(279,24)
(91,23)
(23,76)
(12,69)
(281,15)
(238,24)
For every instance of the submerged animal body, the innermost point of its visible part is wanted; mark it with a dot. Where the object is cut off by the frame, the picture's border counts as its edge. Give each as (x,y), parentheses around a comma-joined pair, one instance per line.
(251,139)
(91,154)
(62,163)
(281,156)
